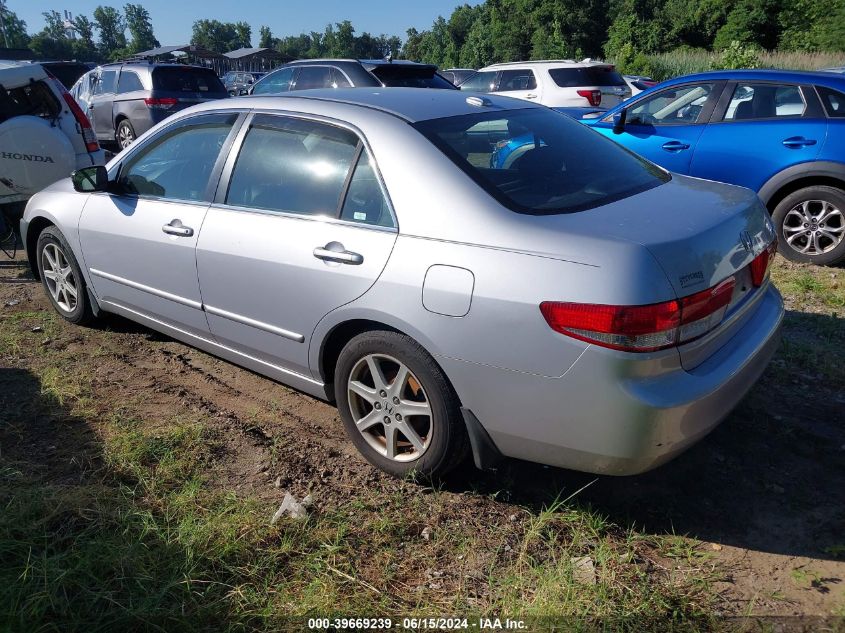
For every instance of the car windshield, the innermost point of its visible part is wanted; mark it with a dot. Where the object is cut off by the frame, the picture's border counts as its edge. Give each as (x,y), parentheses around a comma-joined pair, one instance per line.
(187,80)
(586,76)
(539,161)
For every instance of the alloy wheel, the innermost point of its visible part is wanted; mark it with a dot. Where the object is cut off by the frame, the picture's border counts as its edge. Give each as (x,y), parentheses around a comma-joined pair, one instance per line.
(390,407)
(814,227)
(59,278)
(124,136)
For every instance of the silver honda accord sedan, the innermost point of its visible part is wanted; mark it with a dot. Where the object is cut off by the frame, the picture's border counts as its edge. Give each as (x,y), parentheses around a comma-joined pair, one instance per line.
(580,307)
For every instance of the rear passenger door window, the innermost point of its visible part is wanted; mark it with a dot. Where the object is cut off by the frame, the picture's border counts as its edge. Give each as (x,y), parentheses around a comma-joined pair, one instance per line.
(340,80)
(293,166)
(514,80)
(275,83)
(312,77)
(765,101)
(105,83)
(129,82)
(365,202)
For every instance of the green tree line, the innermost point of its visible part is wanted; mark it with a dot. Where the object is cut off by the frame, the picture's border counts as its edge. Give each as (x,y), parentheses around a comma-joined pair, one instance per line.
(336,40)
(509,30)
(627,31)
(119,34)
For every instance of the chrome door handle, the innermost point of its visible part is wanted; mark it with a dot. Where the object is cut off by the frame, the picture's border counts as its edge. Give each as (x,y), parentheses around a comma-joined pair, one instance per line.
(530,96)
(795,142)
(335,252)
(675,146)
(177,228)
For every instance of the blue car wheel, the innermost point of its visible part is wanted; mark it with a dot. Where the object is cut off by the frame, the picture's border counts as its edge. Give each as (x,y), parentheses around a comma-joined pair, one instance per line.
(811,225)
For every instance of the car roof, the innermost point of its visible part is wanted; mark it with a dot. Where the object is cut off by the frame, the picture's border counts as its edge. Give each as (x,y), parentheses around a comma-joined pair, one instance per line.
(410,104)
(792,76)
(567,63)
(367,64)
(143,64)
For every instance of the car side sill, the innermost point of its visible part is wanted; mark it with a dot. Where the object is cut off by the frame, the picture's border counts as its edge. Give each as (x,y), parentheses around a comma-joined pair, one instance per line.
(280,374)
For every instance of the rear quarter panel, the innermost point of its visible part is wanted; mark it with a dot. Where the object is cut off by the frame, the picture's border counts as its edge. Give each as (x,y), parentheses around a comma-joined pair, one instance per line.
(834,145)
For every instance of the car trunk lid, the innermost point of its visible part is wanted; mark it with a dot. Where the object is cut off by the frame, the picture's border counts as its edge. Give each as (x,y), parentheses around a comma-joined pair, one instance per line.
(699,232)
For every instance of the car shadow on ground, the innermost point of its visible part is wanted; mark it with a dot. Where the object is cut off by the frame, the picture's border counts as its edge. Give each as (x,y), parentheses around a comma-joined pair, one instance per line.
(769,478)
(74,545)
(24,275)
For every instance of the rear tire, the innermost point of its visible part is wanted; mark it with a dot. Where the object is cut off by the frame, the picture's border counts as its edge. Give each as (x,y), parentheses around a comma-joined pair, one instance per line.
(62,278)
(124,134)
(407,420)
(810,224)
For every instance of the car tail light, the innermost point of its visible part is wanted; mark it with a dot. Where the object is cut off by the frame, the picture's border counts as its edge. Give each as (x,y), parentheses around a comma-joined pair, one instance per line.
(88,135)
(165,103)
(645,328)
(760,264)
(592,96)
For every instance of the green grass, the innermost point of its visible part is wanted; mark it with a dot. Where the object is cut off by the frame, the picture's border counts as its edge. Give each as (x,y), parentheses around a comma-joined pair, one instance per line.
(149,539)
(819,289)
(150,543)
(684,62)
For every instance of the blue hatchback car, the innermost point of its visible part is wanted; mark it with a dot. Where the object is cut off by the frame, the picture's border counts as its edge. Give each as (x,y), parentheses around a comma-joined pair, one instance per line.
(780,133)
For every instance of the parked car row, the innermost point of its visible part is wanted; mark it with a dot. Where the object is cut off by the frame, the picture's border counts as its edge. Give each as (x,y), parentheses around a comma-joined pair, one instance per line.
(310,74)
(649,311)
(695,125)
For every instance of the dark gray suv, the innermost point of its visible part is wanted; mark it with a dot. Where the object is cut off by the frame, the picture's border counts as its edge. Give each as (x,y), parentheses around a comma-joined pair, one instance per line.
(309,74)
(128,98)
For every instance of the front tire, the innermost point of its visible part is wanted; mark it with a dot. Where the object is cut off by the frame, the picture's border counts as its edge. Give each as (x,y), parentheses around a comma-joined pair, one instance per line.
(62,278)
(810,224)
(124,135)
(397,406)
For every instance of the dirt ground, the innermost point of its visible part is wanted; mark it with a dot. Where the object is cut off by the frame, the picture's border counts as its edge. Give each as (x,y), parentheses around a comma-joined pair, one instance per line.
(764,495)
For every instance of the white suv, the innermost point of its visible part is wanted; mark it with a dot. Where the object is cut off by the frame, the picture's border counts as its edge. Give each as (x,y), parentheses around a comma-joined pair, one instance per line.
(44,135)
(556,83)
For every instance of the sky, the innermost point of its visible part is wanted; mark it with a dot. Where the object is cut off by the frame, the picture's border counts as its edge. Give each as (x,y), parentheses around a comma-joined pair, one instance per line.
(172,19)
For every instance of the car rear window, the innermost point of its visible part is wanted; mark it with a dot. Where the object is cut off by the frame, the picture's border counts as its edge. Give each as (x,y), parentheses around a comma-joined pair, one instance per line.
(586,76)
(187,80)
(35,99)
(405,76)
(541,162)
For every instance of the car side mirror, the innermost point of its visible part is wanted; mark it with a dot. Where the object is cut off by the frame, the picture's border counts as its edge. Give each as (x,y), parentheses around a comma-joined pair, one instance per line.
(619,121)
(90,179)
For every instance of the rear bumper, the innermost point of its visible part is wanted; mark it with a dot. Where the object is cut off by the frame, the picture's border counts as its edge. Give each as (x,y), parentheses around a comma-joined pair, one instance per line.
(611,414)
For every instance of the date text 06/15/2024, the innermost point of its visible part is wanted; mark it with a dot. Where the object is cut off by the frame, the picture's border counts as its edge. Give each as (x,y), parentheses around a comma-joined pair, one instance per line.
(417,624)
